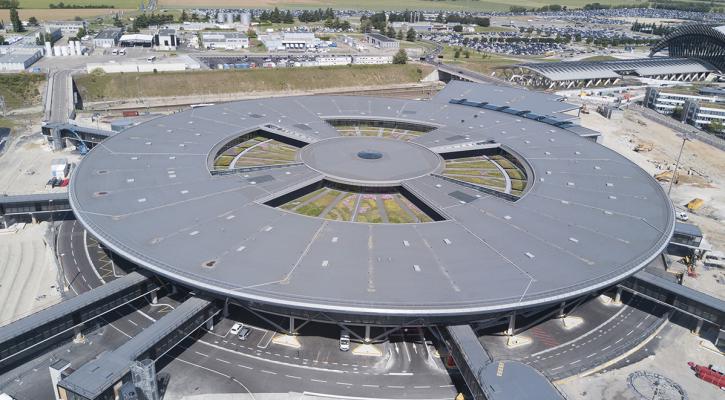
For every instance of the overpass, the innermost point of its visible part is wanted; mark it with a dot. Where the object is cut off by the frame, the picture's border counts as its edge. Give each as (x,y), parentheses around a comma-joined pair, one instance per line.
(488,380)
(28,336)
(103,377)
(447,73)
(35,206)
(58,132)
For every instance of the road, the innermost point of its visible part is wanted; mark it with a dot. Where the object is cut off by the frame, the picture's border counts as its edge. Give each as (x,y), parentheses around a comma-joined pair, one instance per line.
(61,98)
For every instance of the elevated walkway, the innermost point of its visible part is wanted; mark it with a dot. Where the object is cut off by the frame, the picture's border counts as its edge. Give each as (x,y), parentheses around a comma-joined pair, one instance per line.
(34,205)
(488,380)
(100,378)
(57,132)
(28,336)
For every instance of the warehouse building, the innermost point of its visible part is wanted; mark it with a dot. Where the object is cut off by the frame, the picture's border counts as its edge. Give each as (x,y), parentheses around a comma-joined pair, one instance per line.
(166,40)
(70,28)
(17,59)
(372,59)
(381,41)
(290,41)
(136,40)
(224,40)
(108,38)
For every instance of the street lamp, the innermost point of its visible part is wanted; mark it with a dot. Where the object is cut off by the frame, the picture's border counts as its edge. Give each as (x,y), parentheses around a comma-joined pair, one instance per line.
(685,137)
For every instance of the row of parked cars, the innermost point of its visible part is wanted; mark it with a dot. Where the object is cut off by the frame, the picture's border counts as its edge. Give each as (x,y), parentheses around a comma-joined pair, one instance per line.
(242,332)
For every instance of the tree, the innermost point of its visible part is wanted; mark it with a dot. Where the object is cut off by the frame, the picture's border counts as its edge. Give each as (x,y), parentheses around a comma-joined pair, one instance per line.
(401,57)
(32,21)
(677,112)
(288,18)
(457,53)
(252,34)
(81,33)
(411,35)
(458,28)
(183,17)
(2,39)
(365,25)
(715,126)
(15,20)
(390,33)
(399,36)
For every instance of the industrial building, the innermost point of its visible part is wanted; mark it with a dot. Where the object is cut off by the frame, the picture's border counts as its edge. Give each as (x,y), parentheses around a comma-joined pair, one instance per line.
(165,40)
(368,59)
(108,38)
(136,40)
(224,40)
(381,41)
(18,58)
(69,28)
(695,108)
(289,41)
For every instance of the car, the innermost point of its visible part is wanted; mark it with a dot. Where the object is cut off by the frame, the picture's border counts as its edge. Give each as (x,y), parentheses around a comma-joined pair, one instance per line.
(682,216)
(344,341)
(244,333)
(235,328)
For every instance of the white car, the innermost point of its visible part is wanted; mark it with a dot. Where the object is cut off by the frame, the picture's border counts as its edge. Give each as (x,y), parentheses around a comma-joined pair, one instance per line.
(235,328)
(682,216)
(344,341)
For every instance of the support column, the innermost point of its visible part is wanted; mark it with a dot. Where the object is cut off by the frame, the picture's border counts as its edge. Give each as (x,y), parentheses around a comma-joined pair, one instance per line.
(225,311)
(174,290)
(291,325)
(154,298)
(367,334)
(512,324)
(210,324)
(618,296)
(698,327)
(562,313)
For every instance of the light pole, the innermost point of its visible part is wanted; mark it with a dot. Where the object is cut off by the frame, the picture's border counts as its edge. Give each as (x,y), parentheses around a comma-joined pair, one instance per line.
(685,137)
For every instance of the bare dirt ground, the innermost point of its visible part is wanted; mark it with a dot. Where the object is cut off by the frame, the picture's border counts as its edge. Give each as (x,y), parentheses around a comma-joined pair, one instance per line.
(25,163)
(28,277)
(702,174)
(670,351)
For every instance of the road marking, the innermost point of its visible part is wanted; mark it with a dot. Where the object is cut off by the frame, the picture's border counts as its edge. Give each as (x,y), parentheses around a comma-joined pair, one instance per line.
(244,366)
(201,354)
(630,332)
(620,339)
(396,387)
(318,380)
(572,363)
(344,383)
(591,355)
(293,377)
(371,386)
(217,372)
(606,348)
(445,386)
(422,387)
(134,324)
(224,361)
(266,342)
(400,373)
(269,372)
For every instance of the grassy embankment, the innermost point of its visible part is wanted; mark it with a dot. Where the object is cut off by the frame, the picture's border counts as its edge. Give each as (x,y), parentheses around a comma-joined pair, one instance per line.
(100,86)
(21,90)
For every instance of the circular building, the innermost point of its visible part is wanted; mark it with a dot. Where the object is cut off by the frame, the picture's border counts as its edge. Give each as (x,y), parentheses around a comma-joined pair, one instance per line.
(373,209)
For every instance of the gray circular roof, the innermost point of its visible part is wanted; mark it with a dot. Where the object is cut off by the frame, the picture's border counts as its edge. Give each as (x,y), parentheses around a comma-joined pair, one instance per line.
(588,218)
(369,160)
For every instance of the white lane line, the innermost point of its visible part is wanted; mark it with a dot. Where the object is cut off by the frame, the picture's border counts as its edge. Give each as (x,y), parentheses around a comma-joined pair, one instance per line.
(400,373)
(134,324)
(293,377)
(88,255)
(630,332)
(445,386)
(591,355)
(201,354)
(224,361)
(422,387)
(244,366)
(269,372)
(251,395)
(371,386)
(344,383)
(604,348)
(620,339)
(559,367)
(318,380)
(396,387)
(572,363)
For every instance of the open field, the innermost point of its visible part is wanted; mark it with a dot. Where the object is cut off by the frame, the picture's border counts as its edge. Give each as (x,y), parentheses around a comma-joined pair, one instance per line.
(96,87)
(21,90)
(460,5)
(46,14)
(46,3)
(478,62)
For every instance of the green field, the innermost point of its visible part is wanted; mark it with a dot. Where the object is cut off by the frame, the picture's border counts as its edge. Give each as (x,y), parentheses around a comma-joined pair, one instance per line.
(115,3)
(21,90)
(450,5)
(100,86)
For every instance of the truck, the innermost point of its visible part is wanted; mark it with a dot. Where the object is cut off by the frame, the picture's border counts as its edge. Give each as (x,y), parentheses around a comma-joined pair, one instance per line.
(695,204)
(709,374)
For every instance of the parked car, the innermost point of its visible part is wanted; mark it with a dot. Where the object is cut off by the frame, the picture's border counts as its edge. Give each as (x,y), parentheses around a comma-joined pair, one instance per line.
(235,328)
(682,215)
(244,333)
(344,341)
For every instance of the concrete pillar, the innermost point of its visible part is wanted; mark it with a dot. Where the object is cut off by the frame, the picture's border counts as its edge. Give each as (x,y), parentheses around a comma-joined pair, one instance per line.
(562,314)
(618,296)
(367,333)
(225,311)
(154,297)
(291,325)
(210,324)
(512,324)
(698,327)
(174,290)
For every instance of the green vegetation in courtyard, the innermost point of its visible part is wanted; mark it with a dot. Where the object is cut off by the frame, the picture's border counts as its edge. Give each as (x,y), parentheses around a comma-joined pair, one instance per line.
(100,86)
(315,207)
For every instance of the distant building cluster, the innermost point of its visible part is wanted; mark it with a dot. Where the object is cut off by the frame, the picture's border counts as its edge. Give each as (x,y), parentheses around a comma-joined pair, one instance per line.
(699,108)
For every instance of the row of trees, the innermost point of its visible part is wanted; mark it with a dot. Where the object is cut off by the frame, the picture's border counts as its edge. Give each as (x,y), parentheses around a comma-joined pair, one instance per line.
(277,17)
(659,30)
(316,15)
(410,35)
(62,5)
(7,4)
(144,20)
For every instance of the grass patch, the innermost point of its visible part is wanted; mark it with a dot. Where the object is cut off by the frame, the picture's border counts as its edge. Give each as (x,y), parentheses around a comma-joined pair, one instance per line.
(100,86)
(396,214)
(342,211)
(296,202)
(21,90)
(316,207)
(368,211)
(600,58)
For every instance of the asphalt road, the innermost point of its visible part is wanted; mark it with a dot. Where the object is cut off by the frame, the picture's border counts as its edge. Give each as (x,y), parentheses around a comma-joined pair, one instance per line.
(61,98)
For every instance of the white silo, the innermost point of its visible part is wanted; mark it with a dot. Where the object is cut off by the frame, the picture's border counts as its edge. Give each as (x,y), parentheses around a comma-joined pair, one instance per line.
(79,49)
(48,50)
(246,18)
